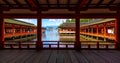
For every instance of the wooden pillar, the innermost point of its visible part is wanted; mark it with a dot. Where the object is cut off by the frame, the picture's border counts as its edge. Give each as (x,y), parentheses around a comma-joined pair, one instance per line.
(13,29)
(104,32)
(39,44)
(2,29)
(97,31)
(77,36)
(1,33)
(20,30)
(91,30)
(117,26)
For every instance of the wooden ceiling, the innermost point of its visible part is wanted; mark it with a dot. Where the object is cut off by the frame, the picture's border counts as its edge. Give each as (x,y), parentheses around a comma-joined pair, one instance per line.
(52,6)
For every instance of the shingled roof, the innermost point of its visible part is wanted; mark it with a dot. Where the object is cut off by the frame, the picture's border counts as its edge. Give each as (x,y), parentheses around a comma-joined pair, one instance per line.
(98,22)
(13,21)
(72,24)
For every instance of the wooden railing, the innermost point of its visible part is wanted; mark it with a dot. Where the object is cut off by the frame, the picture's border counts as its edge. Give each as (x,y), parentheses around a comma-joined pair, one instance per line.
(97,45)
(18,34)
(19,45)
(61,45)
(58,44)
(100,35)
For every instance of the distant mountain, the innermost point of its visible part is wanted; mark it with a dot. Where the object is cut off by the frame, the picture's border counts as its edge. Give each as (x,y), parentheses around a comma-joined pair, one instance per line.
(51,27)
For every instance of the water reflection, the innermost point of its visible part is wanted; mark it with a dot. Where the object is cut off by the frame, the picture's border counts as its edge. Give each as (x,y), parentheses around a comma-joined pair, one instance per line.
(50,34)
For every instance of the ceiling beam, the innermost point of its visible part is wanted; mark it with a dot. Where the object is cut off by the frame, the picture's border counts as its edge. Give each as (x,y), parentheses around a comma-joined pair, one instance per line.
(58,3)
(18,3)
(7,3)
(99,2)
(110,2)
(1,10)
(104,15)
(70,8)
(81,4)
(30,3)
(37,3)
(89,2)
(48,3)
(68,2)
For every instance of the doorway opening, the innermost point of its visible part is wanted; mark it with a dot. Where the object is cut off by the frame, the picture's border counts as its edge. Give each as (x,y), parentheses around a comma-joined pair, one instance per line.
(58,33)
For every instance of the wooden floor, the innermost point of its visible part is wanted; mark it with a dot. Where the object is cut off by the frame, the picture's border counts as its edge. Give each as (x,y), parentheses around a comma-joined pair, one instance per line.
(59,56)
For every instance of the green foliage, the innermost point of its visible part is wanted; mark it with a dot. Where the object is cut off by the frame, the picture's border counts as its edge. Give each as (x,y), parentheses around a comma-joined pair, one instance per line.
(73,20)
(85,20)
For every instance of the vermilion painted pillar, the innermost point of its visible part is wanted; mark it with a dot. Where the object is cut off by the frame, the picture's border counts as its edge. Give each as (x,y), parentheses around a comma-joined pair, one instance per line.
(92,30)
(77,36)
(1,32)
(39,44)
(20,30)
(104,32)
(97,30)
(13,29)
(117,26)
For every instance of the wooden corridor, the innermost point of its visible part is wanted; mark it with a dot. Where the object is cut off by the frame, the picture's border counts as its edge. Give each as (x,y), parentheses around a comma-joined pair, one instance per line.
(59,56)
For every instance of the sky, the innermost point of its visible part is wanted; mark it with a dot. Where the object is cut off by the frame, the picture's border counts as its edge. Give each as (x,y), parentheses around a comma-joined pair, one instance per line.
(34,21)
(45,22)
(52,22)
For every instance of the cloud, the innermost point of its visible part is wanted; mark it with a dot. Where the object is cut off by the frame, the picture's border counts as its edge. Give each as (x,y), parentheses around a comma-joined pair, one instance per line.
(33,21)
(52,20)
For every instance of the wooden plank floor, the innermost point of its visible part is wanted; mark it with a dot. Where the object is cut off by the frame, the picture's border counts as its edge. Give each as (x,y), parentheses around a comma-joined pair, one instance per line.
(59,56)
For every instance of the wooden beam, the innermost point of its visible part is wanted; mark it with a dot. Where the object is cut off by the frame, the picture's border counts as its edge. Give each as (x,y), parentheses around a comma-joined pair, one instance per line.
(69,8)
(1,10)
(38,3)
(81,4)
(18,3)
(68,2)
(100,2)
(30,3)
(111,2)
(89,2)
(7,3)
(82,15)
(58,3)
(48,3)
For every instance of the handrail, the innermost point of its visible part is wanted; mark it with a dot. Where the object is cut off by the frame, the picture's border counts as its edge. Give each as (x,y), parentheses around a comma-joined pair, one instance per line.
(61,44)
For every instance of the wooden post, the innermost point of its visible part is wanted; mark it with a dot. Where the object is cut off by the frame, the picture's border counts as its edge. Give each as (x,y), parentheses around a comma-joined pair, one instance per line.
(39,44)
(97,30)
(1,33)
(104,32)
(77,36)
(20,45)
(13,29)
(97,45)
(117,26)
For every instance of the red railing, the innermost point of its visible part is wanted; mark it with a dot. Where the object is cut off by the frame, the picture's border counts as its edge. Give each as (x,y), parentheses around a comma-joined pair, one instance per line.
(58,44)
(61,45)
(18,34)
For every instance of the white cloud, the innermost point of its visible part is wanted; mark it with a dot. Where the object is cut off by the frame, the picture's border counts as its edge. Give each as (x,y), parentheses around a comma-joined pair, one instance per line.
(52,20)
(33,21)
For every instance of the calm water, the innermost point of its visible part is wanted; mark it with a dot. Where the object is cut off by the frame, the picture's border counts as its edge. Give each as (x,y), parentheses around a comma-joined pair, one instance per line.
(50,35)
